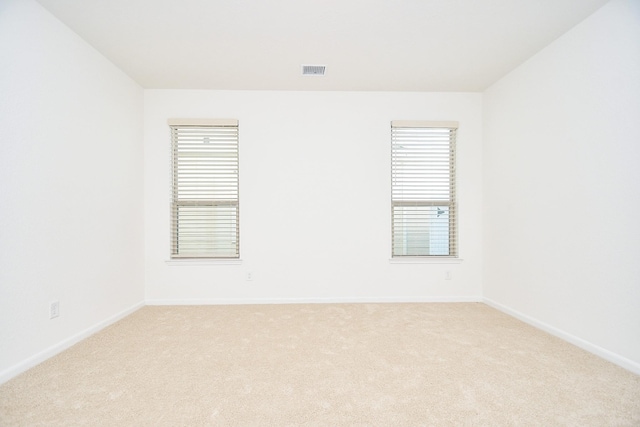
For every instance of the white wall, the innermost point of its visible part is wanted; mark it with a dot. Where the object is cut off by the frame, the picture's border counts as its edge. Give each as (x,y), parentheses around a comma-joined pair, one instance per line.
(314,198)
(562,186)
(71,183)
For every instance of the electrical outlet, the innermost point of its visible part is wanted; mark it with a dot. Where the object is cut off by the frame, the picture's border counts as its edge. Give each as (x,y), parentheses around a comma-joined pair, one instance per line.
(448,275)
(54,309)
(250,275)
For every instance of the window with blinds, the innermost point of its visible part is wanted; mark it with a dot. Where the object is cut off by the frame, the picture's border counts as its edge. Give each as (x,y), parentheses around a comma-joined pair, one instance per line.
(423,189)
(205,189)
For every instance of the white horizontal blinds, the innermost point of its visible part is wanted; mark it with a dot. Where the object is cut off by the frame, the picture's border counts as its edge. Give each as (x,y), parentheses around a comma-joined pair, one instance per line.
(423,188)
(205,190)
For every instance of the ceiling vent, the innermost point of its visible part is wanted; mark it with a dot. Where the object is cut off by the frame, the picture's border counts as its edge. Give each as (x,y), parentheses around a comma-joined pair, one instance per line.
(313,70)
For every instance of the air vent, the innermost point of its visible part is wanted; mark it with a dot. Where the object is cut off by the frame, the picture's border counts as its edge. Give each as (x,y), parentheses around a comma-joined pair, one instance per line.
(313,70)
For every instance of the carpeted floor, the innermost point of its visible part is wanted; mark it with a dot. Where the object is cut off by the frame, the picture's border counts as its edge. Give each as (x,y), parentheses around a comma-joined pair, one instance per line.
(462,364)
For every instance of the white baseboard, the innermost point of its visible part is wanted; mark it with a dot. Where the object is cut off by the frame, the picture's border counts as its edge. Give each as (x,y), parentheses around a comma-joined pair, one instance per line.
(578,342)
(40,357)
(316,300)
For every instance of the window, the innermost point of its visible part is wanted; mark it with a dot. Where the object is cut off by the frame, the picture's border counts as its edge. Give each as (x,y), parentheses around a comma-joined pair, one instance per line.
(205,190)
(423,203)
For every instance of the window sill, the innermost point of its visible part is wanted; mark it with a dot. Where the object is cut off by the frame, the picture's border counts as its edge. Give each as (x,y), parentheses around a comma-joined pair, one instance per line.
(202,261)
(425,260)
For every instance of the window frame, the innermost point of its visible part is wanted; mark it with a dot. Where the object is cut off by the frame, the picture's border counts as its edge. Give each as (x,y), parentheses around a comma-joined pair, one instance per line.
(205,188)
(422,194)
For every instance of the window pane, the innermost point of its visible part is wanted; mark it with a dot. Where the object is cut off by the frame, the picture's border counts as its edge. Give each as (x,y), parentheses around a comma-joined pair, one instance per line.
(420,230)
(207,230)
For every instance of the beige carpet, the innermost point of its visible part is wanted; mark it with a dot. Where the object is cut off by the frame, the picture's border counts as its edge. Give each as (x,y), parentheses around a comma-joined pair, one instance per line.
(462,364)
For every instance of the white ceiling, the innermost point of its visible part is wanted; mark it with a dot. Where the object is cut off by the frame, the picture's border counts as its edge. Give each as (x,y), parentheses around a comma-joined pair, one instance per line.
(376,45)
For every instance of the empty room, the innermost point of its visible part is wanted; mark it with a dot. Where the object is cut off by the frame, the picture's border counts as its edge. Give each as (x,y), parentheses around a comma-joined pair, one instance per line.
(320,213)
